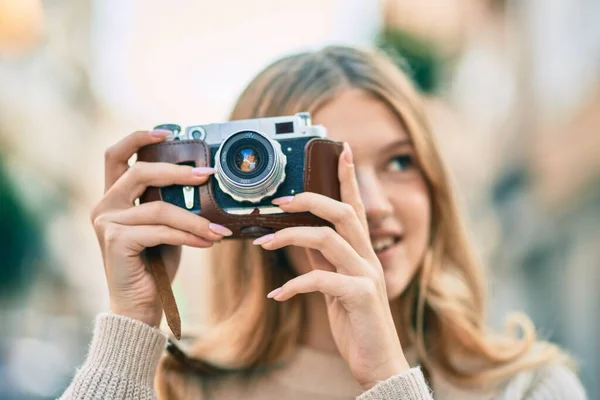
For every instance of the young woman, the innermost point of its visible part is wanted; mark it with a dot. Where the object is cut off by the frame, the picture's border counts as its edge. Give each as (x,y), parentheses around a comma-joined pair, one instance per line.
(387,305)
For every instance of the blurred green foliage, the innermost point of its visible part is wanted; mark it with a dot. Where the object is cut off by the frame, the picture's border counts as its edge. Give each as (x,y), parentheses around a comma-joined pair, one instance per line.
(420,59)
(21,244)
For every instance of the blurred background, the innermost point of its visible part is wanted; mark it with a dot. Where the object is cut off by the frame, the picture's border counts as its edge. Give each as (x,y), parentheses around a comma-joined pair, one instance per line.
(512,89)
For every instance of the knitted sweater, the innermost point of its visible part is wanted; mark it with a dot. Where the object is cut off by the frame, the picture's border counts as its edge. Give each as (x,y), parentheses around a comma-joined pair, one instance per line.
(124,354)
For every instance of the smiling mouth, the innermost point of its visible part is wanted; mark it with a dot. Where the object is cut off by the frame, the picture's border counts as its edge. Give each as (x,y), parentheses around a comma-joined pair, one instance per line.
(382,244)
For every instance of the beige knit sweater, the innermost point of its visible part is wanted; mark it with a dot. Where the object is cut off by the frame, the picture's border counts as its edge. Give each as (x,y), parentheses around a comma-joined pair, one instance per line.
(124,355)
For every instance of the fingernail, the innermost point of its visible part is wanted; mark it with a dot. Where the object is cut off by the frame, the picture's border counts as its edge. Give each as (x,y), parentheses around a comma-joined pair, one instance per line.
(203,171)
(264,239)
(282,200)
(160,133)
(219,229)
(348,153)
(274,293)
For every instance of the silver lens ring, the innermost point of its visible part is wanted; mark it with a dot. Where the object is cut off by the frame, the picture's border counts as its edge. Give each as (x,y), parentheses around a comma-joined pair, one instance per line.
(254,184)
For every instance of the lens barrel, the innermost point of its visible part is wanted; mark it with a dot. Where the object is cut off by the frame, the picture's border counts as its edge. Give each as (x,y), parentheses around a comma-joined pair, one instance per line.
(250,166)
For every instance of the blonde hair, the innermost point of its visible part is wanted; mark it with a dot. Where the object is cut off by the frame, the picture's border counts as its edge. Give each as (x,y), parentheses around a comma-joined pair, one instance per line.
(443,307)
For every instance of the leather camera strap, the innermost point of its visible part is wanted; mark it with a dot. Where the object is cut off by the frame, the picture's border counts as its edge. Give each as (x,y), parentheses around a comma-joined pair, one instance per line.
(163,283)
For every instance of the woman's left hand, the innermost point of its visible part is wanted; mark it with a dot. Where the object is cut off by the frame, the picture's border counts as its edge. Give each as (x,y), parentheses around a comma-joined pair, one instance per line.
(347,271)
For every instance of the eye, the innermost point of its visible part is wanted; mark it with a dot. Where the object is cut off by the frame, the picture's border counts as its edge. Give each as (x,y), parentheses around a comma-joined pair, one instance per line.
(401,163)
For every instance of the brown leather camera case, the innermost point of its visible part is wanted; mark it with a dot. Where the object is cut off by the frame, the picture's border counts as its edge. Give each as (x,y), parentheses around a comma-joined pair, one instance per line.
(320,176)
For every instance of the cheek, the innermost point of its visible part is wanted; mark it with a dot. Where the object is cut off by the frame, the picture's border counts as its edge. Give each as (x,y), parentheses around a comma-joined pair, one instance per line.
(415,206)
(412,206)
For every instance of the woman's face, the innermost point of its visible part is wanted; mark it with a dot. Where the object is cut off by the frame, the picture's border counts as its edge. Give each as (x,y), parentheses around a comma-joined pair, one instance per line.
(392,188)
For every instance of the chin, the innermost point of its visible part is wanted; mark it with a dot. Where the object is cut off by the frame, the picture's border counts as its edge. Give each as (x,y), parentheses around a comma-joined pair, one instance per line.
(396,280)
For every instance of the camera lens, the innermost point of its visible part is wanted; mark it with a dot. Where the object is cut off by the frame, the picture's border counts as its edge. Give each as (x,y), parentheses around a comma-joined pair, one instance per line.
(250,166)
(247,160)
(248,157)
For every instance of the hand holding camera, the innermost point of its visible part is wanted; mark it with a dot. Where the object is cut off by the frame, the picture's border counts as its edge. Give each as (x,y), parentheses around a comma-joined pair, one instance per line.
(256,160)
(124,231)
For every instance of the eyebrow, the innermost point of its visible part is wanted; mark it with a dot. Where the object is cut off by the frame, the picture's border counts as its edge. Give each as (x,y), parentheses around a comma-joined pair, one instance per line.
(394,145)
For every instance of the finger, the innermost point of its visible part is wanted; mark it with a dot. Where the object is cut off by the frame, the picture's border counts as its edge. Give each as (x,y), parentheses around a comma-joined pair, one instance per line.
(116,156)
(328,242)
(138,178)
(326,282)
(349,190)
(163,213)
(317,261)
(341,215)
(141,236)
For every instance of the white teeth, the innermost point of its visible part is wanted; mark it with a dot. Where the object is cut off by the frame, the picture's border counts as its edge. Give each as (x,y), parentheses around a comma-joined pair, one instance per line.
(382,243)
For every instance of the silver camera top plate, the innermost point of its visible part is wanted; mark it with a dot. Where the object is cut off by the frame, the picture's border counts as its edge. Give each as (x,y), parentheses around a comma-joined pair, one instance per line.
(286,127)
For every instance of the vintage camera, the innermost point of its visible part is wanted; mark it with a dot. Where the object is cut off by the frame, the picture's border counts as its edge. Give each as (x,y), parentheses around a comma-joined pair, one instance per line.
(256,160)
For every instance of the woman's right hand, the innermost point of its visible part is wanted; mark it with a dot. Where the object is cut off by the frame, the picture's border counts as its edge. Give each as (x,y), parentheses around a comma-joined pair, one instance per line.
(125,230)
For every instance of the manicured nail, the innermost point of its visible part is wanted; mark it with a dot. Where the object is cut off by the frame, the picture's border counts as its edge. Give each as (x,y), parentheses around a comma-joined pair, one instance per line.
(203,171)
(264,239)
(160,133)
(274,293)
(219,229)
(282,200)
(348,153)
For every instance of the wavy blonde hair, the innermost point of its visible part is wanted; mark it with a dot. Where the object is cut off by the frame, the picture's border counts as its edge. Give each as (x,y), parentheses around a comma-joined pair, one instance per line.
(442,308)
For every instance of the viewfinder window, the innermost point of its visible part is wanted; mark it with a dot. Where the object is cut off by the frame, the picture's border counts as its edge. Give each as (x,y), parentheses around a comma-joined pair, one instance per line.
(284,127)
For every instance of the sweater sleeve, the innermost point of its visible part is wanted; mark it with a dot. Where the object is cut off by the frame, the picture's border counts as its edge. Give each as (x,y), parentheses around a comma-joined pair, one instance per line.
(555,382)
(409,385)
(121,362)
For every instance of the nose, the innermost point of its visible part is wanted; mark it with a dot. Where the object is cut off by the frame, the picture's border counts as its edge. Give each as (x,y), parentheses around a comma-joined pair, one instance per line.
(375,200)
